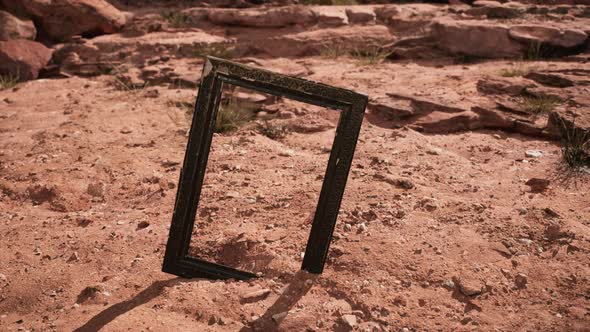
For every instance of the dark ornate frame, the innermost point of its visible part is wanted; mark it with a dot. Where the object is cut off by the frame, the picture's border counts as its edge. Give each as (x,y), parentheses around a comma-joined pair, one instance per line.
(216,72)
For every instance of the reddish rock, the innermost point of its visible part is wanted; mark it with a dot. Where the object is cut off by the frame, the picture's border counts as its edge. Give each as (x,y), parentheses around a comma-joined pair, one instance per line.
(23,58)
(476,38)
(272,18)
(12,27)
(564,38)
(62,19)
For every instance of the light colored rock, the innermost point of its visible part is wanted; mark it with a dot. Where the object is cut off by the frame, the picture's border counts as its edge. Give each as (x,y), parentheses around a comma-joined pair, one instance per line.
(360,15)
(23,58)
(349,320)
(533,153)
(330,15)
(469,287)
(12,27)
(476,38)
(255,296)
(62,19)
(565,38)
(270,18)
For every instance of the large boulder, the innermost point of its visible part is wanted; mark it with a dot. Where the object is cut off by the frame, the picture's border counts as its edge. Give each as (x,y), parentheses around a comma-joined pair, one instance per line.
(476,38)
(61,19)
(270,18)
(12,27)
(542,34)
(23,58)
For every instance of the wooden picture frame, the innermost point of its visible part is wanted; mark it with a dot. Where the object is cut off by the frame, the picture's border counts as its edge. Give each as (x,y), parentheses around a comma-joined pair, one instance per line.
(217,72)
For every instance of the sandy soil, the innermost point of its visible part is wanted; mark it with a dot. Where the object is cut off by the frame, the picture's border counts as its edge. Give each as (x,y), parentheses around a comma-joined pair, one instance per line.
(437,231)
(89,175)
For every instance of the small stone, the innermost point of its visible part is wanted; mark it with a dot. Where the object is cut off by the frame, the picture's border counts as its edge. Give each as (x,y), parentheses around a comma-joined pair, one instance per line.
(126,130)
(347,227)
(287,153)
(232,194)
(434,151)
(533,154)
(37,251)
(448,284)
(538,184)
(3,278)
(151,93)
(95,189)
(349,320)
(143,224)
(521,280)
(73,257)
(469,287)
(361,228)
(278,318)
(255,296)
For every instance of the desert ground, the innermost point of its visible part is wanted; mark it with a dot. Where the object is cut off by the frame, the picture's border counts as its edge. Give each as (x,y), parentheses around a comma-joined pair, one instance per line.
(460,212)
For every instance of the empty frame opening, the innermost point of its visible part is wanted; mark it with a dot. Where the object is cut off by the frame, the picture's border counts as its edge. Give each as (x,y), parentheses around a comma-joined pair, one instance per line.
(263,179)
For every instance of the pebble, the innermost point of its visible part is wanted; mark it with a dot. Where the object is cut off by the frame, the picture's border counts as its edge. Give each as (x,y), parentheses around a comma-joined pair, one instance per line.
(521,280)
(470,288)
(232,194)
(533,153)
(3,277)
(347,227)
(349,320)
(287,153)
(74,257)
(143,224)
(449,284)
(255,296)
(362,228)
(434,151)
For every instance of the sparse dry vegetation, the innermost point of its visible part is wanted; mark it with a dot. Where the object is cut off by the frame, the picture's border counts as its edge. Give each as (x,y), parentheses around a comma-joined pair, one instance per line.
(516,70)
(8,81)
(369,55)
(273,130)
(177,19)
(539,105)
(232,114)
(220,50)
(575,146)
